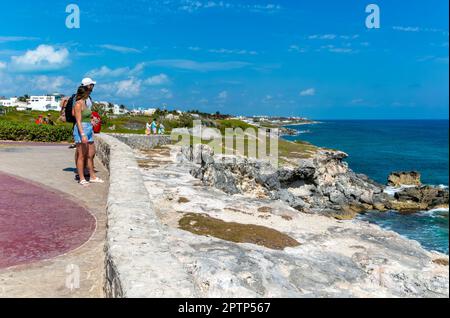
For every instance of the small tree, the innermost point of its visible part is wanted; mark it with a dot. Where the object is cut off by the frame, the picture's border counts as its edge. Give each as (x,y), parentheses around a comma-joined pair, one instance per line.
(23,98)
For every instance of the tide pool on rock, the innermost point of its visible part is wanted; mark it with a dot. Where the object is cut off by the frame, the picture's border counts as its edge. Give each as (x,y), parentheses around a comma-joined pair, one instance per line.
(379,147)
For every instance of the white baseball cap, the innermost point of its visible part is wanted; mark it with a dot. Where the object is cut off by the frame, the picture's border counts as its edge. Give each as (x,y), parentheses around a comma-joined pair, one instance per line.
(87,81)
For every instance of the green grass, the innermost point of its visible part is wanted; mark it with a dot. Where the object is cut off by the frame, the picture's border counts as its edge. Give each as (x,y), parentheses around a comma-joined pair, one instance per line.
(26,116)
(136,124)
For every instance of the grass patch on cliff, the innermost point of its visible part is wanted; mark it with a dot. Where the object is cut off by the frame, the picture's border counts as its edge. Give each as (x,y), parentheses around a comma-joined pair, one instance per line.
(289,150)
(200,224)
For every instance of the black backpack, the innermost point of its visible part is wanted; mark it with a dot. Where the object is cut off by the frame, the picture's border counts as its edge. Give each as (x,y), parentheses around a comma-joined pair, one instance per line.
(68,112)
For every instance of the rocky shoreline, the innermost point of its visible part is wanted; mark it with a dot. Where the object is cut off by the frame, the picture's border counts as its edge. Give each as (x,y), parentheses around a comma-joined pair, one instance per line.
(322,184)
(236,240)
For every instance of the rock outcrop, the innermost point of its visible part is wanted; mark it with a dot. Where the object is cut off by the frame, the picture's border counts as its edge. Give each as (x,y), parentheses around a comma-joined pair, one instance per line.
(420,198)
(397,179)
(322,184)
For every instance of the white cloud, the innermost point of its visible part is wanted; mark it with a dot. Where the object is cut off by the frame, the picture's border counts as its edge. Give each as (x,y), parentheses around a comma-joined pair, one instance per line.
(129,87)
(228,51)
(50,84)
(5,39)
(406,29)
(223,95)
(349,37)
(156,80)
(419,29)
(44,57)
(297,49)
(199,66)
(166,93)
(308,92)
(225,51)
(2,65)
(125,88)
(105,71)
(267,99)
(322,37)
(340,50)
(120,49)
(15,85)
(196,5)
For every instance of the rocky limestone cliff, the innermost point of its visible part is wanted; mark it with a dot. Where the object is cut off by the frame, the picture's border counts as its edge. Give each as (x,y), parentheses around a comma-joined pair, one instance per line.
(322,184)
(252,246)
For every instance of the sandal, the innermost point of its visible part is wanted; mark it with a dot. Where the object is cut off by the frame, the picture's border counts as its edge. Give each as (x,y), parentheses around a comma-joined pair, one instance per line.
(96,180)
(84,183)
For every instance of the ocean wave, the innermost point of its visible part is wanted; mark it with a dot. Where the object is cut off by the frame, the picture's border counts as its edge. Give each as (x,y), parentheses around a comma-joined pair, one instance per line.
(393,190)
(436,213)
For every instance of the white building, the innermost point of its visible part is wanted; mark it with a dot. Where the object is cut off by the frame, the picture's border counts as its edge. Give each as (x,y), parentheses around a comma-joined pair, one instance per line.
(114,108)
(45,103)
(146,112)
(13,102)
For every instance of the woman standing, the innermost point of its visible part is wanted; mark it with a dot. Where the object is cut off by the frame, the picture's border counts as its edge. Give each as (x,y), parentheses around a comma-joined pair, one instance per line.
(83,134)
(148,128)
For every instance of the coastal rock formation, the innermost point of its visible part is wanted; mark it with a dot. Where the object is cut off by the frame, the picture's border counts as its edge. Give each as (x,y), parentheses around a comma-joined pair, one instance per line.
(286,253)
(397,179)
(420,198)
(322,184)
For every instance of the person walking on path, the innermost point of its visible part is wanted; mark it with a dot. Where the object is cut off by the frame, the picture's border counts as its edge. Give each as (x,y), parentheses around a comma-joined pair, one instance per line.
(153,127)
(83,134)
(161,129)
(148,128)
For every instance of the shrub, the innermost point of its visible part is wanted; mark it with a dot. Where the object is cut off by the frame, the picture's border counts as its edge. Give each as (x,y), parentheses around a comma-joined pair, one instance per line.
(32,132)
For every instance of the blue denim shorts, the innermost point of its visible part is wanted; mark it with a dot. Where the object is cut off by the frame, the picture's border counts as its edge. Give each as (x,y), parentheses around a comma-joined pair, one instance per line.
(88,131)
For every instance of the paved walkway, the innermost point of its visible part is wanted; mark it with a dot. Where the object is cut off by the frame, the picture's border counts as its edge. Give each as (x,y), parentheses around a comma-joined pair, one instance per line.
(52,230)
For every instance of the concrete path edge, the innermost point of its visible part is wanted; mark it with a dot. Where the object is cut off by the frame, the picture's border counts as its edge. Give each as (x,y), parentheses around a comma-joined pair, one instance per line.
(139,263)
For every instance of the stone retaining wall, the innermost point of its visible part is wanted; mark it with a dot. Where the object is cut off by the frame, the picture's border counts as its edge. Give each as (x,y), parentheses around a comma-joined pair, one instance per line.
(138,259)
(143,142)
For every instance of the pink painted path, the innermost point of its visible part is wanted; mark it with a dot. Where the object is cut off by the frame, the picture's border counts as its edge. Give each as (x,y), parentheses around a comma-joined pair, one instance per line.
(37,223)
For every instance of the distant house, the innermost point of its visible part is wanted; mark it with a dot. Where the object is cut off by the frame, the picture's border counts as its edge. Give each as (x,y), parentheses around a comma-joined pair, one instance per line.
(149,111)
(114,108)
(12,102)
(45,102)
(172,117)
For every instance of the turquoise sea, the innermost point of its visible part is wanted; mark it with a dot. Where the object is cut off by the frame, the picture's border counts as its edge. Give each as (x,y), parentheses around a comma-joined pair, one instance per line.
(378,147)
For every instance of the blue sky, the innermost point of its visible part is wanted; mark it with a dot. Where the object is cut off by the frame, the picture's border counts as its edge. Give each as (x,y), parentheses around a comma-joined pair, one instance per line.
(275,57)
